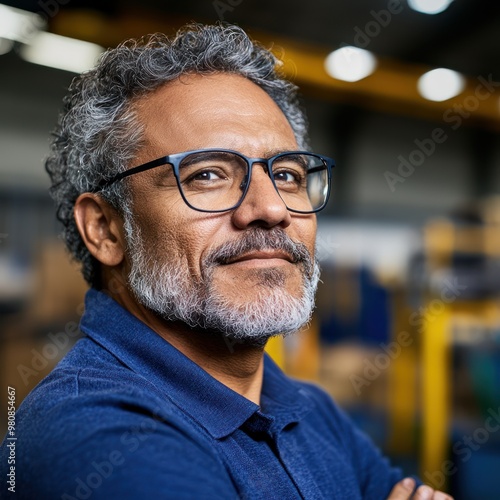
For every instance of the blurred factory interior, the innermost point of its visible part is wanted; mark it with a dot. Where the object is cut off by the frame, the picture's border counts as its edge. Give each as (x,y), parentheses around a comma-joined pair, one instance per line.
(406,335)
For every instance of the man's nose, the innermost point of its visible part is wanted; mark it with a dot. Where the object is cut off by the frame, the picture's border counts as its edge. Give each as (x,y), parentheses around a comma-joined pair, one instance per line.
(262,205)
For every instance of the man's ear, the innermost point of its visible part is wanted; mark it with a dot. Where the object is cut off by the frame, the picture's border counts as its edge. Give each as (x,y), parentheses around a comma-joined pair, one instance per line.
(101,228)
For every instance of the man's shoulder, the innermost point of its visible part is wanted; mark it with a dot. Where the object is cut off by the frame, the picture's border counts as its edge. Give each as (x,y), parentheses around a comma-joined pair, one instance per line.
(82,421)
(87,371)
(90,387)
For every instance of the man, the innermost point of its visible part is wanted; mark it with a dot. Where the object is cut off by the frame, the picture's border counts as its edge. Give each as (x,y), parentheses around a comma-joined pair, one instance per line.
(180,178)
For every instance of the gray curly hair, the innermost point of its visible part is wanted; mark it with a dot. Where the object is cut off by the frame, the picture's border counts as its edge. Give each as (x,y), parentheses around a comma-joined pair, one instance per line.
(97,133)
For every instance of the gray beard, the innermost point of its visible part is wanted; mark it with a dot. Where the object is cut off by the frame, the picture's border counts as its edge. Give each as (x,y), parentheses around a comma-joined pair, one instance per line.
(166,288)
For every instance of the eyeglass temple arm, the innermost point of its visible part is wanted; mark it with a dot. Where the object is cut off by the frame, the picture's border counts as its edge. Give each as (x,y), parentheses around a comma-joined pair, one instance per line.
(319,168)
(141,168)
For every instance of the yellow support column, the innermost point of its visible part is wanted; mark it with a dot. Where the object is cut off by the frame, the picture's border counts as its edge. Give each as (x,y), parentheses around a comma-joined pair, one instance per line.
(402,382)
(436,371)
(402,401)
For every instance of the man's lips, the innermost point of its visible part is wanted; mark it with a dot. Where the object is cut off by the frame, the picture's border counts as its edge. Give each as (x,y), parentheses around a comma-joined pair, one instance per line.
(262,255)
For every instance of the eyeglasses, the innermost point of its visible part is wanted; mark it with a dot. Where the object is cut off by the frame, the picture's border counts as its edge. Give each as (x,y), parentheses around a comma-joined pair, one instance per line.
(217,180)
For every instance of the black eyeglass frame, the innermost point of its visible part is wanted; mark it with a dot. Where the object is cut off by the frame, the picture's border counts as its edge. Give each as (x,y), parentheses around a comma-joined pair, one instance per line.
(174,160)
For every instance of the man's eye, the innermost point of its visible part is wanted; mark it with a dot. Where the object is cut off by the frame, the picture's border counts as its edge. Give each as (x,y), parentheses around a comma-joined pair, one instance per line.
(207,175)
(286,176)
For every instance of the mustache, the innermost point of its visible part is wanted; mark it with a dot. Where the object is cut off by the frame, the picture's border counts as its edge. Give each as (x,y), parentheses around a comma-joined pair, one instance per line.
(259,239)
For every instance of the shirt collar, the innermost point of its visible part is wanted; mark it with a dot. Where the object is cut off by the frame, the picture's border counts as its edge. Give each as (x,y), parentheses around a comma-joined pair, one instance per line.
(216,407)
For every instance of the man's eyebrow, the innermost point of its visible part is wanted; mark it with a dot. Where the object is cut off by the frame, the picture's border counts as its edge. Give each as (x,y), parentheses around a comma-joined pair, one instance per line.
(203,156)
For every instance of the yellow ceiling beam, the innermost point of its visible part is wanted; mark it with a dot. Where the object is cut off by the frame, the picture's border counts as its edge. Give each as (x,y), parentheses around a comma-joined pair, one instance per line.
(391,88)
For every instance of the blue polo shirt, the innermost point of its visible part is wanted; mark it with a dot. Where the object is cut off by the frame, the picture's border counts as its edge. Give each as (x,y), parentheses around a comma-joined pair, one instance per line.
(126,415)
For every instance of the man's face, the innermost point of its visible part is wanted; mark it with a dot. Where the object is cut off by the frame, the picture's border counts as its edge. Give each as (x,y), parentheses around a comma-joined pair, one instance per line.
(249,272)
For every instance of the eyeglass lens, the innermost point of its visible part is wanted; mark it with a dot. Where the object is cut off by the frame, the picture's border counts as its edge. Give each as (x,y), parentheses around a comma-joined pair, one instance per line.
(216,180)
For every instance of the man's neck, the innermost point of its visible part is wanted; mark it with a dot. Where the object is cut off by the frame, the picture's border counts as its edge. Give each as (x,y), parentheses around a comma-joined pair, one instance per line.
(236,365)
(240,367)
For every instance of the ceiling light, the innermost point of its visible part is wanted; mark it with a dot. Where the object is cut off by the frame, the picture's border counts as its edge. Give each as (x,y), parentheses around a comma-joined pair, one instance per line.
(19,25)
(350,64)
(61,52)
(440,84)
(429,6)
